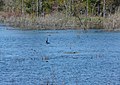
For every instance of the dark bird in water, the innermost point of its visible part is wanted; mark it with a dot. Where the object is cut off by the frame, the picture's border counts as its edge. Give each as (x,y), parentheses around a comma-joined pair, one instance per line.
(47,42)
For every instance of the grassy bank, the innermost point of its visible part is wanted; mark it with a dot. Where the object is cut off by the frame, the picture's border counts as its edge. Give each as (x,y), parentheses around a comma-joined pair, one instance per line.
(60,21)
(112,22)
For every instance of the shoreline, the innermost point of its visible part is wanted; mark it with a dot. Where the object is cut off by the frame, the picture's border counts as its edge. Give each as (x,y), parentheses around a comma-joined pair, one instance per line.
(27,29)
(59,21)
(51,21)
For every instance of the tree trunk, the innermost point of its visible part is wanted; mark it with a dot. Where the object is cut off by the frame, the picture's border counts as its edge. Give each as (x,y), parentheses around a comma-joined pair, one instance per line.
(87,9)
(37,8)
(22,7)
(104,7)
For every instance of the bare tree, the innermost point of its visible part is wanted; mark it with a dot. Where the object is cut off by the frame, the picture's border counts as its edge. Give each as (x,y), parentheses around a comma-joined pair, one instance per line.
(104,7)
(22,7)
(37,8)
(87,8)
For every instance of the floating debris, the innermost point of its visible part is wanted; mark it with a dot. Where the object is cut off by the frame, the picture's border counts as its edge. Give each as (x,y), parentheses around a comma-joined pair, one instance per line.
(71,52)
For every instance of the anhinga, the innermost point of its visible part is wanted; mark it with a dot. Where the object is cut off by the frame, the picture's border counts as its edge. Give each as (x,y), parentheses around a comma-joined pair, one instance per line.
(47,42)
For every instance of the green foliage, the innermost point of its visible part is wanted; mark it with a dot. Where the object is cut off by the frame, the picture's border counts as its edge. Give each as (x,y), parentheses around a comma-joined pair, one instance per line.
(46,6)
(1,5)
(30,6)
(93,7)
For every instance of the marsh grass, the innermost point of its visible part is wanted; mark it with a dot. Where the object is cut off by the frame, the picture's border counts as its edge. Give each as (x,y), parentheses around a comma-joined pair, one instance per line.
(50,21)
(112,22)
(60,21)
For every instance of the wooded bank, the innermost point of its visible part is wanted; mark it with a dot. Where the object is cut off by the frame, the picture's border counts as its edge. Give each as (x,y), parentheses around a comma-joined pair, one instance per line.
(60,14)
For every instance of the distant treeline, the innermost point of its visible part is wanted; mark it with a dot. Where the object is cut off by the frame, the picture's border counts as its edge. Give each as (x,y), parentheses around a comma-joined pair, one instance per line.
(69,7)
(61,14)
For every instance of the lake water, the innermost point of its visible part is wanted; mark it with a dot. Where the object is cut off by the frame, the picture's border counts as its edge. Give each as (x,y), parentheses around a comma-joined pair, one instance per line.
(73,57)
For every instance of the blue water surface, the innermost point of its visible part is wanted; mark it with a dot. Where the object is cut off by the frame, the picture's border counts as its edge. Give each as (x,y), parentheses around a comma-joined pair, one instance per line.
(73,57)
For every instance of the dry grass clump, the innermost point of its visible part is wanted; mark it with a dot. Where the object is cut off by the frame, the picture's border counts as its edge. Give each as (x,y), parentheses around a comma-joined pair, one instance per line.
(112,22)
(59,20)
(49,21)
